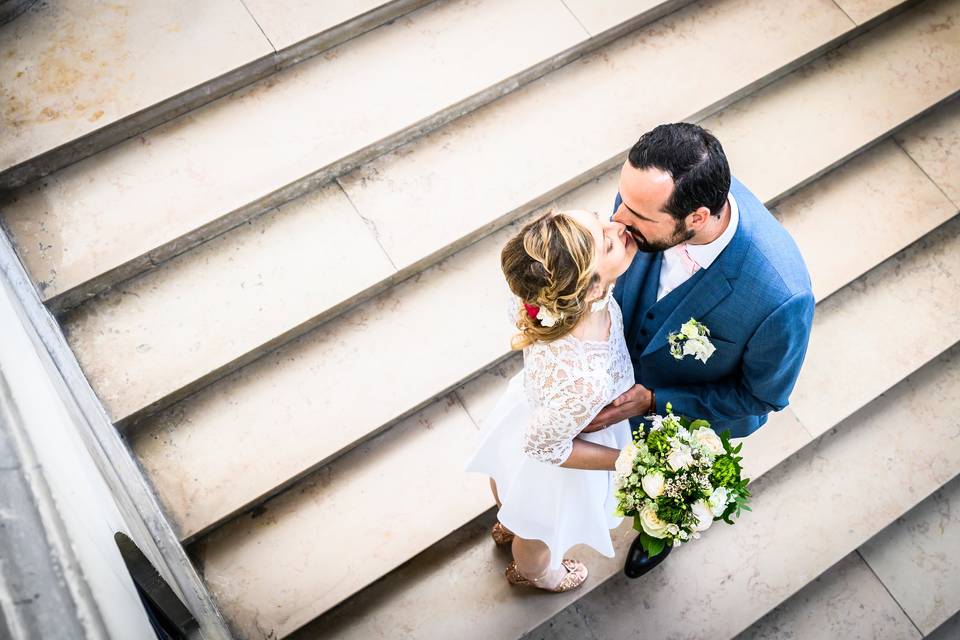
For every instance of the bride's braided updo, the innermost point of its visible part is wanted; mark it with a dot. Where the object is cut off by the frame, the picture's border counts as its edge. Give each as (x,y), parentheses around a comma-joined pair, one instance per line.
(550,264)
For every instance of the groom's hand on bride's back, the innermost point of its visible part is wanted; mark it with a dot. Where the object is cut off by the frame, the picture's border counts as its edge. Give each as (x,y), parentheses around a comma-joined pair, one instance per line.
(635,401)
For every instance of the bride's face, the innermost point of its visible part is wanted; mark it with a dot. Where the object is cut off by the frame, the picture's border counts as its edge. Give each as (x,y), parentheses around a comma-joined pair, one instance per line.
(613,245)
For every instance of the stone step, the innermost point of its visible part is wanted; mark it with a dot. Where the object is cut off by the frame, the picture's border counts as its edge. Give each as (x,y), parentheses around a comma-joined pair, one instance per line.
(244,301)
(423,180)
(918,556)
(847,602)
(932,142)
(900,584)
(79,78)
(905,205)
(237,157)
(272,557)
(801,524)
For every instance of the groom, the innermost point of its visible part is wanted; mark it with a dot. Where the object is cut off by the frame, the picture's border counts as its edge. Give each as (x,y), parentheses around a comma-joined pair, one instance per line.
(708,250)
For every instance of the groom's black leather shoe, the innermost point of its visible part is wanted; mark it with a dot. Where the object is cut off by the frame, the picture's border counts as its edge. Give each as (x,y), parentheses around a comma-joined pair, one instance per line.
(639,563)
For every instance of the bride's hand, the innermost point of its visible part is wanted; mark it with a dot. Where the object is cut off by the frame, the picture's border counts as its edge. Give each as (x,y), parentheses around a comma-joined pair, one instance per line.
(635,401)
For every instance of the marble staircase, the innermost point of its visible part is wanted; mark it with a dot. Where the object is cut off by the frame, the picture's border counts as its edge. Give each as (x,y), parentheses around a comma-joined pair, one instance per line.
(286,296)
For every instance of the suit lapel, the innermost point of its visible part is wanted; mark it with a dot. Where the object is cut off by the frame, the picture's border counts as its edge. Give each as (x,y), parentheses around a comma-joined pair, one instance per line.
(631,291)
(712,288)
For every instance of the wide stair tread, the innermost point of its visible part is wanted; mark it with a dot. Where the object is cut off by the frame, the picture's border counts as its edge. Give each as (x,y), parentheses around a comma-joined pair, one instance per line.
(337,358)
(246,153)
(79,78)
(898,585)
(245,287)
(278,545)
(702,585)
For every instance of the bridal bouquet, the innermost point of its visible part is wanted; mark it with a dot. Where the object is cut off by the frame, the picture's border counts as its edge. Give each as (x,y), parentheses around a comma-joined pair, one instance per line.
(676,479)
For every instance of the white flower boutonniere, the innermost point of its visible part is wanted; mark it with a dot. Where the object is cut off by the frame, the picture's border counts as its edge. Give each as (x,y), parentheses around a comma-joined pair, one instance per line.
(693,339)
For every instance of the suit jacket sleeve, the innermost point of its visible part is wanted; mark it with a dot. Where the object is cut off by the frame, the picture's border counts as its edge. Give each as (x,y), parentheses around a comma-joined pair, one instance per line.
(771,364)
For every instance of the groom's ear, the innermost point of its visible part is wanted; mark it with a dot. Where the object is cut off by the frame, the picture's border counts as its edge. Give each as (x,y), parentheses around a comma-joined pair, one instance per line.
(698,218)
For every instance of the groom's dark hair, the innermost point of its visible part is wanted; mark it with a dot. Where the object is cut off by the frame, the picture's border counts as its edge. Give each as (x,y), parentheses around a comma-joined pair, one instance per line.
(694,159)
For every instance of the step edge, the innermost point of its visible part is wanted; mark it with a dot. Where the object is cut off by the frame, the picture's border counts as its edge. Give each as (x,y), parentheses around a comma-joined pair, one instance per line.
(397,278)
(172,107)
(488,512)
(453,389)
(263,205)
(240,216)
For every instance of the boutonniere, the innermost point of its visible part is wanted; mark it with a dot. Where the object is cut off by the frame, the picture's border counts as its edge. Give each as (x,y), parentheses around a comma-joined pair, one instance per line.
(693,339)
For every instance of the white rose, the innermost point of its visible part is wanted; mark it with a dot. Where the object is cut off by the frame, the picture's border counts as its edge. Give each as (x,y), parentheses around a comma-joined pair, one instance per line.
(691,347)
(651,523)
(652,484)
(703,513)
(680,457)
(704,350)
(718,501)
(624,463)
(690,329)
(709,440)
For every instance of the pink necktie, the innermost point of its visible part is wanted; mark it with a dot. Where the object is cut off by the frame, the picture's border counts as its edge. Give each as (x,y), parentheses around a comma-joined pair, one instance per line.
(685,258)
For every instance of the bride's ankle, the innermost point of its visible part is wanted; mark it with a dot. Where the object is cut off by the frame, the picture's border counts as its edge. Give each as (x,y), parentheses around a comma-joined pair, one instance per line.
(548,578)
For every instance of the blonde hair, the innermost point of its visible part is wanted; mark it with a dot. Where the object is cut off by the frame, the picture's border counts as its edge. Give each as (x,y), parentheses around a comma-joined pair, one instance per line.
(551,264)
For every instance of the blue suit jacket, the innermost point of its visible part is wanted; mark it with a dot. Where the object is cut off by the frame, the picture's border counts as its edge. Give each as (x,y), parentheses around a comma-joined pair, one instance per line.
(757,302)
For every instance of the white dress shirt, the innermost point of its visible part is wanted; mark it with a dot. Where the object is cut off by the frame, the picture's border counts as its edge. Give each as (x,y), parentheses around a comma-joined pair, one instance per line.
(675,269)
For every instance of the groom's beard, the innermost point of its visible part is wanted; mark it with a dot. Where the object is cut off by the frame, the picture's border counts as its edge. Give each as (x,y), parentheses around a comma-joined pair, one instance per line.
(680,234)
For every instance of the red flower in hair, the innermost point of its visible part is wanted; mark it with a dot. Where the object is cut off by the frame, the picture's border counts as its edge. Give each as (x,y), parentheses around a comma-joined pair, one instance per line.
(532,310)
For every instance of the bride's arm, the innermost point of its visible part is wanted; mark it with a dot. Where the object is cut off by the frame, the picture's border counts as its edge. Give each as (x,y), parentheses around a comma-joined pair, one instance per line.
(590,455)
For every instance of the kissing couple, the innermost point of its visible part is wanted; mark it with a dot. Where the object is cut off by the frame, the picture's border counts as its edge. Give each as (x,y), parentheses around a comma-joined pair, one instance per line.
(692,295)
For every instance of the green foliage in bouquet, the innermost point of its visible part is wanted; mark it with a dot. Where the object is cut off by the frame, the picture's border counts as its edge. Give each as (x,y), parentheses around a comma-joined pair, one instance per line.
(730,479)
(677,478)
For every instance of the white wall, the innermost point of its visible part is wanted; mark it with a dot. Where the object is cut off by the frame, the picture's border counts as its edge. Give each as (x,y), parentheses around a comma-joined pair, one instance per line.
(82,508)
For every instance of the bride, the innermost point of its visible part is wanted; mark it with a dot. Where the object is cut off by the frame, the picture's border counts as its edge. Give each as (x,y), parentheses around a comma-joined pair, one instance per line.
(553,484)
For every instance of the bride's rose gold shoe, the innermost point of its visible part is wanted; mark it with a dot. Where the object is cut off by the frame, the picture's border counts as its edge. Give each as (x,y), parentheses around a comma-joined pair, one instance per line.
(576,576)
(501,535)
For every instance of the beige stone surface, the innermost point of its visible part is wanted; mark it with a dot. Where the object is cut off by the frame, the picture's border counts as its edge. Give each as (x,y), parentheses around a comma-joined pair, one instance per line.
(278,568)
(232,556)
(568,624)
(808,513)
(287,22)
(599,15)
(214,304)
(805,519)
(847,101)
(480,395)
(309,386)
(845,603)
(918,556)
(878,329)
(328,389)
(774,442)
(338,358)
(862,213)
(933,142)
(125,202)
(435,193)
(861,11)
(69,68)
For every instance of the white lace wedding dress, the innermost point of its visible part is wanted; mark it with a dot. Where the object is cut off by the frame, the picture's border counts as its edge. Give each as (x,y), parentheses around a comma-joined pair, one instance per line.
(530,432)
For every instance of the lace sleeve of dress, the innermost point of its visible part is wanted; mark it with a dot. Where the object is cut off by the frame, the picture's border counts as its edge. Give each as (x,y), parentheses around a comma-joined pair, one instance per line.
(566,397)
